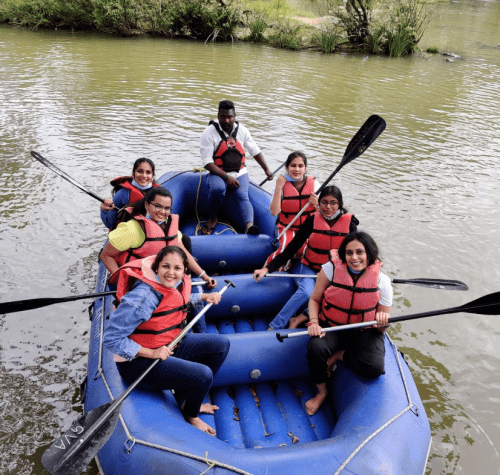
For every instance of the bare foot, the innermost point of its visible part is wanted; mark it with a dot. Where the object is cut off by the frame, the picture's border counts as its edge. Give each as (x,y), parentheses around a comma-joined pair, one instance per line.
(296,321)
(315,403)
(209,226)
(197,422)
(208,408)
(330,362)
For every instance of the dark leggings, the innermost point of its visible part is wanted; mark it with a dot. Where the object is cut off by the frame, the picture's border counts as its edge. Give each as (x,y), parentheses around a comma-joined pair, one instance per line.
(364,352)
(189,372)
(186,241)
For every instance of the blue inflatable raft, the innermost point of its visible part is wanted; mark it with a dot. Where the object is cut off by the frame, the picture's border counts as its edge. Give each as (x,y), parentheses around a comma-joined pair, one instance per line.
(366,426)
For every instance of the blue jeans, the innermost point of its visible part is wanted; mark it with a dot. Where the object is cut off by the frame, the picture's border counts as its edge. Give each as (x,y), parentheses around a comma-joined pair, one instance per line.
(189,372)
(298,299)
(237,206)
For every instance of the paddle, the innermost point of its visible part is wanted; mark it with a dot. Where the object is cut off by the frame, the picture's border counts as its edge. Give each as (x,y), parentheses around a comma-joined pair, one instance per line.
(30,304)
(364,137)
(92,430)
(432,283)
(487,305)
(274,172)
(50,165)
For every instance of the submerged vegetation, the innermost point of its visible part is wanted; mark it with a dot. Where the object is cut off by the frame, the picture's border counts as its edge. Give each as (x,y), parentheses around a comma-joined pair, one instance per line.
(393,28)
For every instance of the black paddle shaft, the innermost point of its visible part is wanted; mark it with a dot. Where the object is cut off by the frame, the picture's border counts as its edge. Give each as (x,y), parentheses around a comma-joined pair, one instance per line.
(364,137)
(274,173)
(30,304)
(487,305)
(62,174)
(72,452)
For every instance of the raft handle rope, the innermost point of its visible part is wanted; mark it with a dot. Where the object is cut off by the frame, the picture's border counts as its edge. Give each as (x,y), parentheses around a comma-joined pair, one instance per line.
(130,437)
(411,407)
(199,225)
(127,448)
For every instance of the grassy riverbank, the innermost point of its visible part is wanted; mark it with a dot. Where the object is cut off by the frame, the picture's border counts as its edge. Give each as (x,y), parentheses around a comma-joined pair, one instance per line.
(393,28)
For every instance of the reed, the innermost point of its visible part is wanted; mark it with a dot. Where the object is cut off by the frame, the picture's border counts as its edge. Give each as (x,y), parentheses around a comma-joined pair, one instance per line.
(286,35)
(328,38)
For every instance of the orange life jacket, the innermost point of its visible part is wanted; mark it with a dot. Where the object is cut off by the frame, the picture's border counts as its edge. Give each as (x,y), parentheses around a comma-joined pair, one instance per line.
(229,154)
(169,318)
(345,301)
(324,238)
(293,201)
(136,194)
(156,239)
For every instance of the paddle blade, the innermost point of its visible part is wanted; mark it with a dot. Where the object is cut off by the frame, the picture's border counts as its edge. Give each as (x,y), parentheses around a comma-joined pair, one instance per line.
(68,455)
(487,305)
(365,136)
(434,283)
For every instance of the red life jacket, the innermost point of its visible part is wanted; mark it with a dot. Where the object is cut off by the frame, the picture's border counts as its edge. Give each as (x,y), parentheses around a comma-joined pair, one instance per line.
(284,241)
(136,194)
(346,302)
(169,318)
(293,201)
(229,154)
(156,239)
(324,238)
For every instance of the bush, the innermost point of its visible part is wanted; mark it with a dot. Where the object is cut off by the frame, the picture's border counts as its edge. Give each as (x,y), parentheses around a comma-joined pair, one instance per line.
(407,23)
(328,38)
(432,49)
(49,13)
(116,16)
(201,19)
(257,23)
(286,36)
(355,19)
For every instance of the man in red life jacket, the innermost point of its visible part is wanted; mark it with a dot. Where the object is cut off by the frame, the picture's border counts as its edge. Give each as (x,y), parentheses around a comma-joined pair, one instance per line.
(222,147)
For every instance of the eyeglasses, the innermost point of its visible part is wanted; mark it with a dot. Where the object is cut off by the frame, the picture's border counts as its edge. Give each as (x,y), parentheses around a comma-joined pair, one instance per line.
(331,203)
(159,208)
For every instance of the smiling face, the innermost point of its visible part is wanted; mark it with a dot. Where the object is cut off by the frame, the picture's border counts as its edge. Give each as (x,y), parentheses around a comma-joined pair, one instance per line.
(329,205)
(159,208)
(297,169)
(171,269)
(226,119)
(143,174)
(355,256)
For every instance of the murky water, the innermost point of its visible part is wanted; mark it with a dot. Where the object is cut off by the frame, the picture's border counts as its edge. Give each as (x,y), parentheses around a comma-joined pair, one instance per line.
(427,190)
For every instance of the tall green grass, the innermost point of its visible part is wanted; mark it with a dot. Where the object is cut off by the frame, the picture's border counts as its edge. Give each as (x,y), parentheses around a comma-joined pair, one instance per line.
(327,38)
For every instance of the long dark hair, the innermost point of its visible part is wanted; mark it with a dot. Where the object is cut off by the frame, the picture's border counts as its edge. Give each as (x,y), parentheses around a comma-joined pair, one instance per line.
(336,193)
(295,155)
(169,250)
(140,206)
(134,168)
(143,160)
(369,244)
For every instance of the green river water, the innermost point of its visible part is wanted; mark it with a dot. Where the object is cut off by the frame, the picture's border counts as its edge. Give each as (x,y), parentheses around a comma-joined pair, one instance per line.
(428,191)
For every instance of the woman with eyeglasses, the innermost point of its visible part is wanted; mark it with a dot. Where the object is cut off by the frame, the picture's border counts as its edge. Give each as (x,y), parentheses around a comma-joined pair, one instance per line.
(293,191)
(148,229)
(350,289)
(127,190)
(322,232)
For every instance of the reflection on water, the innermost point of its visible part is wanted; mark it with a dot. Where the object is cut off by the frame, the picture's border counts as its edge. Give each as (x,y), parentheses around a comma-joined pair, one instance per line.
(426,190)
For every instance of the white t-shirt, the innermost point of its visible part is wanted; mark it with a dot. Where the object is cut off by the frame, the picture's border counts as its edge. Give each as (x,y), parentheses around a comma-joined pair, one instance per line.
(384,284)
(211,138)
